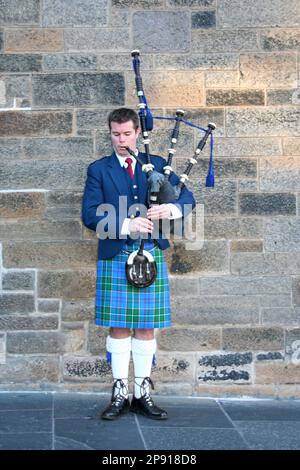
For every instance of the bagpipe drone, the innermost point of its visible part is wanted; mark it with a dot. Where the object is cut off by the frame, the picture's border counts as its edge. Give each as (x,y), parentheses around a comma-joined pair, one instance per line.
(141,266)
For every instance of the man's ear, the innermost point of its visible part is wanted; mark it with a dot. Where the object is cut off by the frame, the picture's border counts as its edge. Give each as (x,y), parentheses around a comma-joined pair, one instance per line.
(137,131)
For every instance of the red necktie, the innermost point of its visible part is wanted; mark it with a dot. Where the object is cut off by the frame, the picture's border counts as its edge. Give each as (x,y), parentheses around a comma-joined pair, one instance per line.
(129,167)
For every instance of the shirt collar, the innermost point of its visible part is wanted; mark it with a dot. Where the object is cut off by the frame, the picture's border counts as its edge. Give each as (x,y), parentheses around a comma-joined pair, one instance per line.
(122,159)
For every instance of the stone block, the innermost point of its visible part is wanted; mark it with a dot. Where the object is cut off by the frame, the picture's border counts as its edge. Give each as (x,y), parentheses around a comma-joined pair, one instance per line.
(213,257)
(121,62)
(245,147)
(29,370)
(69,62)
(56,229)
(153,31)
(96,340)
(292,344)
(75,13)
(280,174)
(296,290)
(279,97)
(10,148)
(277,373)
(208,310)
(280,39)
(247,186)
(191,3)
(235,97)
(263,122)
(86,368)
(119,16)
(250,285)
(53,255)
(291,146)
(175,88)
(23,123)
(220,201)
(173,367)
(72,284)
(221,78)
(14,12)
(139,4)
(209,61)
(270,356)
(79,310)
(28,322)
(53,148)
(78,89)
(17,86)
(280,316)
(268,70)
(48,305)
(103,143)
(267,204)
(282,235)
(35,342)
(96,40)
(241,13)
(224,41)
(34,40)
(204,20)
(18,280)
(40,174)
(246,246)
(20,63)
(74,337)
(226,368)
(267,264)
(18,205)
(232,227)
(16,303)
(92,119)
(181,286)
(255,338)
(189,339)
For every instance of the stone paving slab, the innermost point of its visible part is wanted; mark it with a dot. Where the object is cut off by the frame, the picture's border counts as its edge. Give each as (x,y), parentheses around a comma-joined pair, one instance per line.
(70,421)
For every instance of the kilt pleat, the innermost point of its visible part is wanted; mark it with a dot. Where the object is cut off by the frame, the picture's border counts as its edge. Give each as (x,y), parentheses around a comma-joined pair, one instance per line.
(121,305)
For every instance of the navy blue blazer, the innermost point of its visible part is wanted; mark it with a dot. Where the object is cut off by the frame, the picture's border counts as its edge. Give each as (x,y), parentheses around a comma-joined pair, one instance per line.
(106,182)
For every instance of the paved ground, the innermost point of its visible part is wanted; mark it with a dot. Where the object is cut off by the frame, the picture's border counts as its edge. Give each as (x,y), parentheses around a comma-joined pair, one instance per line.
(71,421)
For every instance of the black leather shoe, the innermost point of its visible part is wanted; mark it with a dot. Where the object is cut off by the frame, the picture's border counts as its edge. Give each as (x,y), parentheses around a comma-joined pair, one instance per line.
(145,405)
(119,404)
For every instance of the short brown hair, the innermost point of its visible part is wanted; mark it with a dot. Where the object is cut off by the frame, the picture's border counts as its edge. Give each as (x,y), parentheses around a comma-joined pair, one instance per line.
(122,115)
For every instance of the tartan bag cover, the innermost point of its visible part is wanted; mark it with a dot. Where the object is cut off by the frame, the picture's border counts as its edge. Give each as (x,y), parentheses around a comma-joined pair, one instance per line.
(121,305)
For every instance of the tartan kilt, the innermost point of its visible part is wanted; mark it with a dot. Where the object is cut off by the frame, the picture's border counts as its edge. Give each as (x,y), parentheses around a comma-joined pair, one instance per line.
(121,305)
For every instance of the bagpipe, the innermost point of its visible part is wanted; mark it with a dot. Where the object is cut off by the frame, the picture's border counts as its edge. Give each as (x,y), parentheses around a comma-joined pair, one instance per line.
(141,268)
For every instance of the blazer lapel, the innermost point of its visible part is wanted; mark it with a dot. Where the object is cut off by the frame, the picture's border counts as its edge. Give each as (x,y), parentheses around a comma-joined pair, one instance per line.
(117,175)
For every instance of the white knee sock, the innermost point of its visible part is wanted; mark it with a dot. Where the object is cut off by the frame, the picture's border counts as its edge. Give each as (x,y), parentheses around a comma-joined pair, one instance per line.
(142,355)
(120,357)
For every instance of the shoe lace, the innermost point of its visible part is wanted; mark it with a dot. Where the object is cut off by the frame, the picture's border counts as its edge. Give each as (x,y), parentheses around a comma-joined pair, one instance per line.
(119,392)
(144,387)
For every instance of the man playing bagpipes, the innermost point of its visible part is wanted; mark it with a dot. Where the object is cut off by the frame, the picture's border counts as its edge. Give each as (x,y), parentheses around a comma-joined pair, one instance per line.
(132,291)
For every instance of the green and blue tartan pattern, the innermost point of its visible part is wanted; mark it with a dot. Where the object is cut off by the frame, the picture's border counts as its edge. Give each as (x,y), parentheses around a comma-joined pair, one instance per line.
(121,305)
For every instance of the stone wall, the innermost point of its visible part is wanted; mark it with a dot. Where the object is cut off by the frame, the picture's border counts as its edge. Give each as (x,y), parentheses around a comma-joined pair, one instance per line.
(236,302)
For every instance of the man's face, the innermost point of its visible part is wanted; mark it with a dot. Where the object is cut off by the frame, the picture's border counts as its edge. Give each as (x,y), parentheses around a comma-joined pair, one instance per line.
(123,135)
